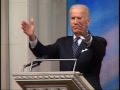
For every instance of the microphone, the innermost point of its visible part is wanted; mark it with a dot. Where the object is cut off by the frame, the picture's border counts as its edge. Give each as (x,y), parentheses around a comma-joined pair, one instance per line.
(34,63)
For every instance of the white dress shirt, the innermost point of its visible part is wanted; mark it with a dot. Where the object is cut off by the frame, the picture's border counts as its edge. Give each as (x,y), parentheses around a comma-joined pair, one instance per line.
(82,38)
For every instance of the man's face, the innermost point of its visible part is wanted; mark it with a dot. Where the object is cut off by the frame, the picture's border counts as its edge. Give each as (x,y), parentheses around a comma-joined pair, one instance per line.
(79,20)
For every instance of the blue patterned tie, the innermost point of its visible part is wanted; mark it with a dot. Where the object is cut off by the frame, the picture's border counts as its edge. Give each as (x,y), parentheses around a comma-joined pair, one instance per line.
(75,46)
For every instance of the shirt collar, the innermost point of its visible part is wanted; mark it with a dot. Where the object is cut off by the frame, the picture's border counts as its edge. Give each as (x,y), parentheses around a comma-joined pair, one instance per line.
(79,41)
(81,37)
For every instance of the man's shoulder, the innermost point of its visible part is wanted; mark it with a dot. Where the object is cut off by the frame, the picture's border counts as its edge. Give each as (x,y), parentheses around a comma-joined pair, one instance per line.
(101,39)
(98,37)
(65,38)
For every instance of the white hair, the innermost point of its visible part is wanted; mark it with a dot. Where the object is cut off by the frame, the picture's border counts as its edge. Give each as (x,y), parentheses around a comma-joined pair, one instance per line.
(81,6)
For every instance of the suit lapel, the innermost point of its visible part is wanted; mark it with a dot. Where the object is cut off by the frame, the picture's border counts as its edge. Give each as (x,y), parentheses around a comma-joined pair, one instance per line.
(70,43)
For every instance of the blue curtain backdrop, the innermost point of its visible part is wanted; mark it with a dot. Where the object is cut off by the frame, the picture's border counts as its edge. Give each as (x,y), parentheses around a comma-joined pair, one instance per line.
(104,23)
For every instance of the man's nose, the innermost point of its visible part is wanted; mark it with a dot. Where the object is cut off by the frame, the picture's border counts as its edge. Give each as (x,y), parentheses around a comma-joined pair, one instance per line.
(76,21)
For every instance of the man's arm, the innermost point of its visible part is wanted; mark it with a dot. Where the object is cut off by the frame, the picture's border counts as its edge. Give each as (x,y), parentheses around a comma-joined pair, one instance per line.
(36,47)
(98,46)
(88,39)
(49,51)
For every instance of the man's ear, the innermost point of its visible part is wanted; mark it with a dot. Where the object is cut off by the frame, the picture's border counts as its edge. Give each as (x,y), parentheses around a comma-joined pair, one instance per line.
(88,22)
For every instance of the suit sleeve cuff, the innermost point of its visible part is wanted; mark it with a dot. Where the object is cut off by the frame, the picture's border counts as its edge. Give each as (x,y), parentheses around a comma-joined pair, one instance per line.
(33,43)
(88,40)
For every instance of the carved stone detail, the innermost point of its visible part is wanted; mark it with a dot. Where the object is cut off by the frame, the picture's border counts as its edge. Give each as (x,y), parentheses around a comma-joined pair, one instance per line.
(69,77)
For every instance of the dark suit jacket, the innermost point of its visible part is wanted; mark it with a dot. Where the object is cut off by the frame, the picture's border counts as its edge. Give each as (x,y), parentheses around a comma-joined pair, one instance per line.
(88,58)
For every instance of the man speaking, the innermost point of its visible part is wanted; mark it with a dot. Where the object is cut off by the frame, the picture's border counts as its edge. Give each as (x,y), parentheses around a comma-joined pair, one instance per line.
(89,50)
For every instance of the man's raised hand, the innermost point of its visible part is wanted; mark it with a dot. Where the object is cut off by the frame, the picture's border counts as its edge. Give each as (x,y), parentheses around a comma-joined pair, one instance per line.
(29,29)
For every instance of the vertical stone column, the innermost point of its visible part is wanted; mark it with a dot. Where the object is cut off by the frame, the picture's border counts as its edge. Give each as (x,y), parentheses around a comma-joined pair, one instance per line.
(52,25)
(18,43)
(4,45)
(50,19)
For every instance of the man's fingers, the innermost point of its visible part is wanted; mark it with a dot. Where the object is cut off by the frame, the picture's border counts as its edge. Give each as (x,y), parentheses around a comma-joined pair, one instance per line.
(23,28)
(24,23)
(32,21)
(27,26)
(80,24)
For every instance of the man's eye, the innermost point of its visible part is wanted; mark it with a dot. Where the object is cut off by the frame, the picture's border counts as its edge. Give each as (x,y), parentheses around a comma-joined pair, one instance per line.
(72,17)
(79,18)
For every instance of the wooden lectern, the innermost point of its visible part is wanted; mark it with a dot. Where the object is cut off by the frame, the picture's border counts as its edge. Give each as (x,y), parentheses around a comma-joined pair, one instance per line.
(60,80)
